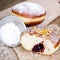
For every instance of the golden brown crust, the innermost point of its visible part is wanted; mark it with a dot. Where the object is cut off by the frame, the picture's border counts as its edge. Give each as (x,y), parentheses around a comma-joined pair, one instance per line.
(57,44)
(33,23)
(27,15)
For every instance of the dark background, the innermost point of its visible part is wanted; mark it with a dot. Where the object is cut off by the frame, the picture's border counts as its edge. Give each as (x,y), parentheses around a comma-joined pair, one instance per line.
(8,3)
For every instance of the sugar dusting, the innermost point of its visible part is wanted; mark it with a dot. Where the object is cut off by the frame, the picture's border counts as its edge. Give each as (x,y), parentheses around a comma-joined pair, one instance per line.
(10,34)
(29,8)
(7,53)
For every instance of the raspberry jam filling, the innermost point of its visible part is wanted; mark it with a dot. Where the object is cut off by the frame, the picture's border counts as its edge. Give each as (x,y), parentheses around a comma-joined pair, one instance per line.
(38,48)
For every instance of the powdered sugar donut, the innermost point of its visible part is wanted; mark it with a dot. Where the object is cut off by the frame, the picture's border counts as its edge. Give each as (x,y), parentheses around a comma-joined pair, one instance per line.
(31,13)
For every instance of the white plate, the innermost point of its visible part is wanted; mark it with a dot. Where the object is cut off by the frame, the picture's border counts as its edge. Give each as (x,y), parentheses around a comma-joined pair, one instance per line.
(16,21)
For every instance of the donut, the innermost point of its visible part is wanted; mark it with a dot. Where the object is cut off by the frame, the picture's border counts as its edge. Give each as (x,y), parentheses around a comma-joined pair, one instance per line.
(41,41)
(30,13)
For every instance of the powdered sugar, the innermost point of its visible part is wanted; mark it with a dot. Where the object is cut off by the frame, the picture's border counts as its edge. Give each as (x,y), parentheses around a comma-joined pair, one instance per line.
(10,34)
(29,8)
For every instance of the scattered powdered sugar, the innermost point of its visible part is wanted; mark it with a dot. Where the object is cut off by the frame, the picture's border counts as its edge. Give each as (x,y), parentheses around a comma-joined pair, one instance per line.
(10,34)
(29,8)
(7,53)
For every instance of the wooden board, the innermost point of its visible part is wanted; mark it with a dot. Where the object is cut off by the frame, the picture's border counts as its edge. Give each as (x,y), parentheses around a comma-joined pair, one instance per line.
(52,12)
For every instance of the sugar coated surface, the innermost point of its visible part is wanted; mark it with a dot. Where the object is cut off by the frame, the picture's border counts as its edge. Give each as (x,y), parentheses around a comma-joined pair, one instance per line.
(10,34)
(29,8)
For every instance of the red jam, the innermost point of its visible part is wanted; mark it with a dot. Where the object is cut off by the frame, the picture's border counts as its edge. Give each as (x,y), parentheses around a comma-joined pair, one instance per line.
(38,48)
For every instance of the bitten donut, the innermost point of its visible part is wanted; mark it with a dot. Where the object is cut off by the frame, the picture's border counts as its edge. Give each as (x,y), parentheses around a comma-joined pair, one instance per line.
(40,41)
(31,13)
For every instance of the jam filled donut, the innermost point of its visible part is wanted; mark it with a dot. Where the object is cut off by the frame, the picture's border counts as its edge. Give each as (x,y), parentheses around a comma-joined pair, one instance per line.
(31,13)
(42,41)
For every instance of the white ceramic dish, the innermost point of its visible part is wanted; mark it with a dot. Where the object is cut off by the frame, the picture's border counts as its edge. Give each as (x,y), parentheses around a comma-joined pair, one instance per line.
(16,21)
